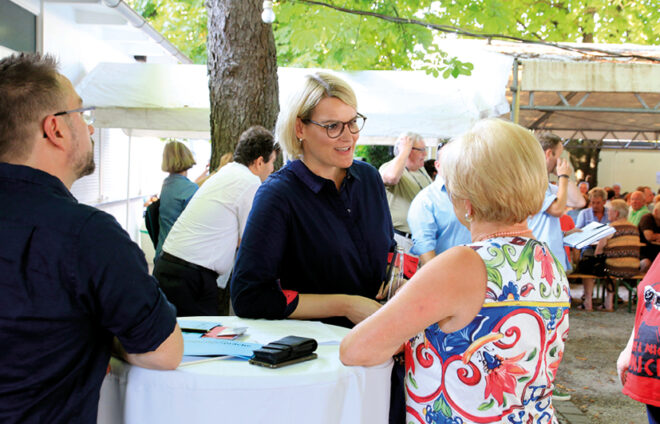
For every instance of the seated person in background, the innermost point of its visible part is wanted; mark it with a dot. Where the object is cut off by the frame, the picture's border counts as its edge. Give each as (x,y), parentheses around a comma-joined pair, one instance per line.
(596,210)
(648,196)
(621,255)
(649,231)
(404,177)
(430,166)
(610,196)
(469,318)
(617,191)
(177,188)
(432,220)
(583,186)
(72,279)
(316,241)
(638,207)
(203,242)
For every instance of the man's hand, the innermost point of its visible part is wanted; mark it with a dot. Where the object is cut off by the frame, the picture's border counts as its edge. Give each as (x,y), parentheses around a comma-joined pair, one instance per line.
(563,167)
(360,307)
(406,147)
(391,174)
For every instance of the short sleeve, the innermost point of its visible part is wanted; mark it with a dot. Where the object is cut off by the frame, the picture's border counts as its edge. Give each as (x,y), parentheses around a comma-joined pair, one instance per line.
(550,197)
(581,219)
(115,282)
(423,227)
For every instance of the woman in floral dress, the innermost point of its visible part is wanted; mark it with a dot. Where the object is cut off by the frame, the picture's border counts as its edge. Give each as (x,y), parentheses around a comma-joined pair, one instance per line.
(482,325)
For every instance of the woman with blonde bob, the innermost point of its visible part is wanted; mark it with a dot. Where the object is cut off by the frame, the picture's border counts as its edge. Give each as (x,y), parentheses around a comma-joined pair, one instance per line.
(177,188)
(316,242)
(482,326)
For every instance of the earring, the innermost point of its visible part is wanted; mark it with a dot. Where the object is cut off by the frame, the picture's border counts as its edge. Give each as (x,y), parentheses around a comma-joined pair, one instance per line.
(468,217)
(300,141)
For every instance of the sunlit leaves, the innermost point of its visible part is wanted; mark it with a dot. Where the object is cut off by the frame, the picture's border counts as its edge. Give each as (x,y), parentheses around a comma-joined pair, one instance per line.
(316,36)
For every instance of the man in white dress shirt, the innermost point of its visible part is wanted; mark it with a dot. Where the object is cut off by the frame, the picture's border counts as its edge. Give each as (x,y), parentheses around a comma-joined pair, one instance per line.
(202,243)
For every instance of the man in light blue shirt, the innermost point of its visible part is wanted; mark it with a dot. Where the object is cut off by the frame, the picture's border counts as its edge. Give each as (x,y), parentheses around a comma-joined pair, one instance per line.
(545,224)
(433,223)
(597,198)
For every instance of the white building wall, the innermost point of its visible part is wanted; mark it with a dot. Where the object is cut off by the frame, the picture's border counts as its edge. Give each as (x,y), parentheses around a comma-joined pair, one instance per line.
(630,168)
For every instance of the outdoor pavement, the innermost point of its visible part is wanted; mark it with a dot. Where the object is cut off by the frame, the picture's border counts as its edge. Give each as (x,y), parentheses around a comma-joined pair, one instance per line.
(568,413)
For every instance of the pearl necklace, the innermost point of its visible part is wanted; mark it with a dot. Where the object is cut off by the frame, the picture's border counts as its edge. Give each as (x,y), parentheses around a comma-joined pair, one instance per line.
(483,237)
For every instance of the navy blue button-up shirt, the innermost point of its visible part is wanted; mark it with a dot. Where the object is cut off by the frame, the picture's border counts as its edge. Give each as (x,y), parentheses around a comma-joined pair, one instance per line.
(305,236)
(70,279)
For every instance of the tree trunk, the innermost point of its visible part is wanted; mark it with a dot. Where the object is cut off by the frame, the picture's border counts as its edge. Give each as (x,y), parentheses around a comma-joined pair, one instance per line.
(585,156)
(242,67)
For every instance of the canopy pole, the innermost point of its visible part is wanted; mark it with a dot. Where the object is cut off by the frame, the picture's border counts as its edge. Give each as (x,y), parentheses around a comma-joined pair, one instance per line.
(516,109)
(515,99)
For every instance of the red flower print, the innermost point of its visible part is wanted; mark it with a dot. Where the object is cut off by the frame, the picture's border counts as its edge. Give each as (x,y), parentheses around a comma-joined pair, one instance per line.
(541,254)
(553,366)
(501,375)
(408,357)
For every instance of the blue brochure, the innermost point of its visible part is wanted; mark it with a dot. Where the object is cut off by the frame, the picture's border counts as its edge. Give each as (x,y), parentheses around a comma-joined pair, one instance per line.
(195,345)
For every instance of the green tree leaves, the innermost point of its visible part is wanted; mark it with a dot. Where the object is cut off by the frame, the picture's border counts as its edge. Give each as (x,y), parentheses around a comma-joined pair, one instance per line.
(309,35)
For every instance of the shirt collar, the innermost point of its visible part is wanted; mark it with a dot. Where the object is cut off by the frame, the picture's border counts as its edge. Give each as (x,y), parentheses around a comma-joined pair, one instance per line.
(34,176)
(313,181)
(441,183)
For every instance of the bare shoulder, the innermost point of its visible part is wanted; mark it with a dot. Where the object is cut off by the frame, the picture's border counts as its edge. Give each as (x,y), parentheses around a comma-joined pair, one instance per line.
(459,278)
(460,261)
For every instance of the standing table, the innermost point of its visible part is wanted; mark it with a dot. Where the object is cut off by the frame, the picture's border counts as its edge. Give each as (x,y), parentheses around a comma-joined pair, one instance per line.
(229,390)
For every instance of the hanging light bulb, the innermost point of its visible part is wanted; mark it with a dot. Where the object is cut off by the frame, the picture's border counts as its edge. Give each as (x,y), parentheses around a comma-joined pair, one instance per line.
(268,16)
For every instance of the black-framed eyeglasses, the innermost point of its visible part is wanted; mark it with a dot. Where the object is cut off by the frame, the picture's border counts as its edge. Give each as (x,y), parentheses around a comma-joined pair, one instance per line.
(87,113)
(335,129)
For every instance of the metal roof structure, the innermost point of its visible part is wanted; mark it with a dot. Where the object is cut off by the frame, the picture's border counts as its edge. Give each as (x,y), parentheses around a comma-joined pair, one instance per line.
(606,93)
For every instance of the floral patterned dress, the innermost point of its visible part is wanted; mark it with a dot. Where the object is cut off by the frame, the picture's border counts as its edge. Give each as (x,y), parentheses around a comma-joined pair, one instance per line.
(501,366)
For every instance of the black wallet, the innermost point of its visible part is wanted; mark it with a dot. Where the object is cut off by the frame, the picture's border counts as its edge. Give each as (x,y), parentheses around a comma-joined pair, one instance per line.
(288,350)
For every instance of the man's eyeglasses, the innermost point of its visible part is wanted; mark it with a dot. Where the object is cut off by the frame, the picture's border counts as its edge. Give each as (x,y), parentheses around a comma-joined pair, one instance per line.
(335,129)
(87,113)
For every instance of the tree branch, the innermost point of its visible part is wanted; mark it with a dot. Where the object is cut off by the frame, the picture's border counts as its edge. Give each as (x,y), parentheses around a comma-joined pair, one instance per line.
(459,31)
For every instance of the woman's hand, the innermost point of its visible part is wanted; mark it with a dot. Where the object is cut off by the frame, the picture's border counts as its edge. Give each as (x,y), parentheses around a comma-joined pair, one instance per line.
(385,288)
(359,308)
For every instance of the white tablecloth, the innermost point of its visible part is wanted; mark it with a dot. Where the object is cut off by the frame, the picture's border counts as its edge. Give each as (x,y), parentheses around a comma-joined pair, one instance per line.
(232,391)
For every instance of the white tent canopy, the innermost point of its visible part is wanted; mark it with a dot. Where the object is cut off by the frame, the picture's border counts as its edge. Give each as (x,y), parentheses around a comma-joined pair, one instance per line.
(173,100)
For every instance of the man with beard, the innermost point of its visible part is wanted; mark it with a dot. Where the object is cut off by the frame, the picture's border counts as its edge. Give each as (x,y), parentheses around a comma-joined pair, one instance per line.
(74,286)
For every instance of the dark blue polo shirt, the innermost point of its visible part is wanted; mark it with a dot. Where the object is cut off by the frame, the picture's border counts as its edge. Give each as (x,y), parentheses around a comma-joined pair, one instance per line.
(305,236)
(70,279)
